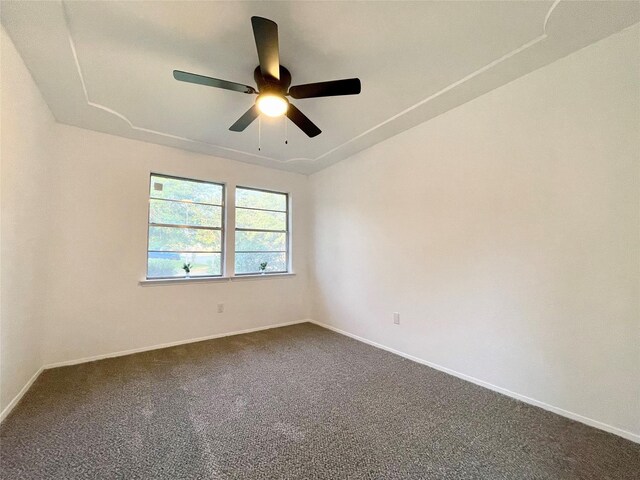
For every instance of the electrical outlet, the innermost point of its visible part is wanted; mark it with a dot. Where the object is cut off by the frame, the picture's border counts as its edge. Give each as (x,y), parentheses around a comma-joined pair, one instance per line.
(220,307)
(396,318)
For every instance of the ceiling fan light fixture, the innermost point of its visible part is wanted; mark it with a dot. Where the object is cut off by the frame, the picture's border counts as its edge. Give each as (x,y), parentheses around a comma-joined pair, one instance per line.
(272,105)
(274,84)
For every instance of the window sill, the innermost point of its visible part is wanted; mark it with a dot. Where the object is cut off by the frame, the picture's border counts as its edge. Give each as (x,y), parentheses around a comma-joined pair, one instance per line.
(178,281)
(260,276)
(184,281)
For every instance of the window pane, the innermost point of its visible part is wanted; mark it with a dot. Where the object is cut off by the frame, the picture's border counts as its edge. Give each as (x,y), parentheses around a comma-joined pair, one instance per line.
(258,199)
(189,239)
(260,241)
(250,262)
(179,189)
(167,264)
(175,213)
(259,220)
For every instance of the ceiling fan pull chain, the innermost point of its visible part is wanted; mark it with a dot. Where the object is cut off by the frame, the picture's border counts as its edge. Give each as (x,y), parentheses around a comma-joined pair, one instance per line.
(260,133)
(286,134)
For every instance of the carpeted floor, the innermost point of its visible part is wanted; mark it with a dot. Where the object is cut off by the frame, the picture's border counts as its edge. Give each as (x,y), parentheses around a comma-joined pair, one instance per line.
(298,402)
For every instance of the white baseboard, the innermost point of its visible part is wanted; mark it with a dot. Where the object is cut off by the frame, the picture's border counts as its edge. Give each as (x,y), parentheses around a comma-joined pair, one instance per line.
(167,345)
(565,413)
(18,397)
(66,363)
(532,401)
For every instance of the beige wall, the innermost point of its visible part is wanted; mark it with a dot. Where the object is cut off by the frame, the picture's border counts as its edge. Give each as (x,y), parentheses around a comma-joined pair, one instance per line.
(99,201)
(74,233)
(505,233)
(25,164)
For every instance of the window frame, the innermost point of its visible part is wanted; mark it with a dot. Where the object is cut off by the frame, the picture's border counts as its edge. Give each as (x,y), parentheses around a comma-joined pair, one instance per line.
(287,232)
(221,229)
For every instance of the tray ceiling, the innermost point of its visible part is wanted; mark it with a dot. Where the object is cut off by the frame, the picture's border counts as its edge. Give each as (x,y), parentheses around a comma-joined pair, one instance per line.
(107,66)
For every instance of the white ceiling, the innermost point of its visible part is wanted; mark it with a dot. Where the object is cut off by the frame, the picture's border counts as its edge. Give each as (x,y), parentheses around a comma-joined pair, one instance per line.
(107,66)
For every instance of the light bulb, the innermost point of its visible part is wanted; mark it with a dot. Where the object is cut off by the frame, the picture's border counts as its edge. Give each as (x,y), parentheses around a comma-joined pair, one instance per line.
(272,105)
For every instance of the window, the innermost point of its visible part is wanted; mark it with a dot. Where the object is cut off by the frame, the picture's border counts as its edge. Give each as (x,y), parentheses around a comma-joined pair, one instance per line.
(185,226)
(262,231)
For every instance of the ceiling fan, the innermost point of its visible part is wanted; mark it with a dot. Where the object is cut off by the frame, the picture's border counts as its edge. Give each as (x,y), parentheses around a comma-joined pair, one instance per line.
(273,81)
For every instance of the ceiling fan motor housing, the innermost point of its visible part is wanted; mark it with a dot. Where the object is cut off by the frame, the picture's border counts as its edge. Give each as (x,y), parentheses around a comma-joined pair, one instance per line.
(273,85)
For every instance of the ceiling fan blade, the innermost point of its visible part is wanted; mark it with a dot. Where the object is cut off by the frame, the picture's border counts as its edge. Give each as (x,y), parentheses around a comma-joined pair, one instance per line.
(303,123)
(245,120)
(265,32)
(348,86)
(212,82)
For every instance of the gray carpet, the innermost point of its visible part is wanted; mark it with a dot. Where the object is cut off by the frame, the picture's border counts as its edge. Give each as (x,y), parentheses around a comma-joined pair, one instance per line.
(298,402)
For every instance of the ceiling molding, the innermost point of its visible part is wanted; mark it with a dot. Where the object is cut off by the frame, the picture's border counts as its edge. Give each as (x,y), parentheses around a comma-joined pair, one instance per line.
(122,117)
(414,67)
(444,90)
(489,66)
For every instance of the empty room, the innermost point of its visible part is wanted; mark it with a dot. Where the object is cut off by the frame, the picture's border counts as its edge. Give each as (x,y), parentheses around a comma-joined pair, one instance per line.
(320,240)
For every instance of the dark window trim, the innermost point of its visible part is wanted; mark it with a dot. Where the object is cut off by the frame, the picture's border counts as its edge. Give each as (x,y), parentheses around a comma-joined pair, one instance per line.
(287,231)
(223,196)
